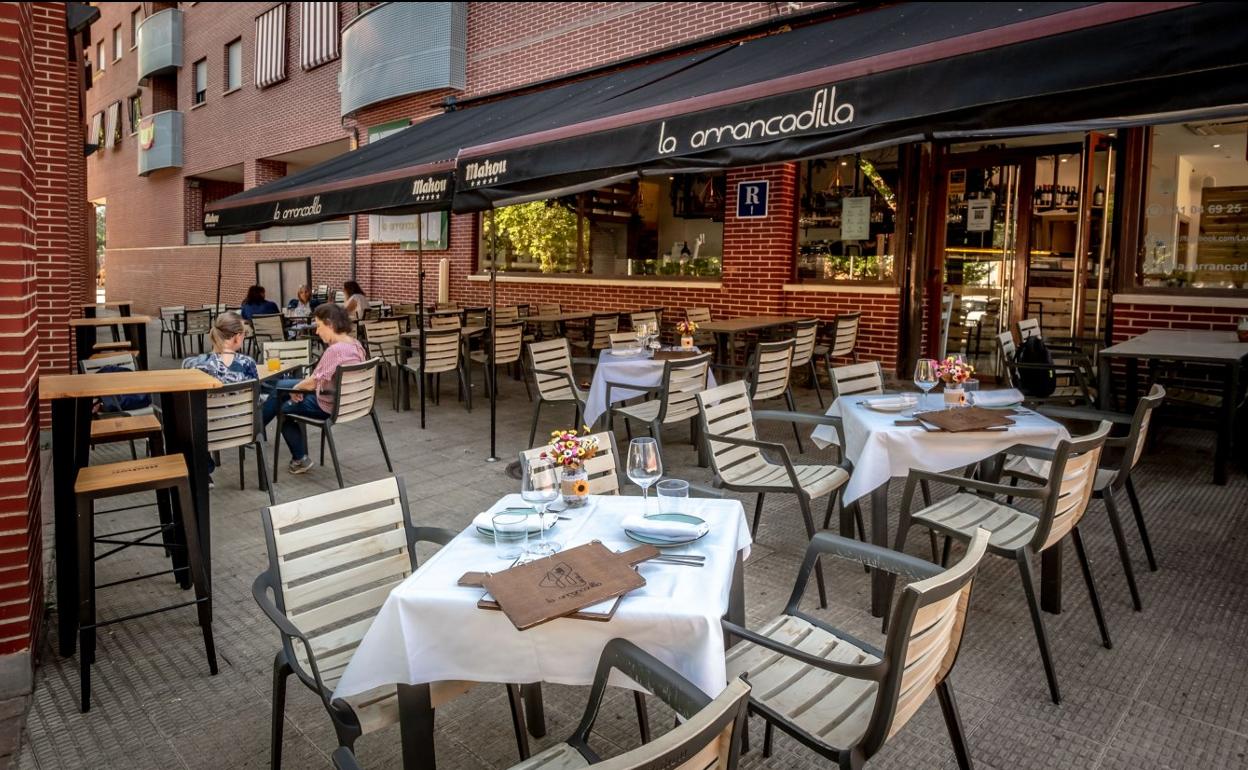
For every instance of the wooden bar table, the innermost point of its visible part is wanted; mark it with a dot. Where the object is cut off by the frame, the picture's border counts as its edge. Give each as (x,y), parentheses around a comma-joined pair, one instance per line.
(134,328)
(183,398)
(725,329)
(91,310)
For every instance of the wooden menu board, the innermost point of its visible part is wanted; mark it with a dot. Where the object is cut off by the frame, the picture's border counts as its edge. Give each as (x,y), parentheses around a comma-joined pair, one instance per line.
(965,418)
(559,585)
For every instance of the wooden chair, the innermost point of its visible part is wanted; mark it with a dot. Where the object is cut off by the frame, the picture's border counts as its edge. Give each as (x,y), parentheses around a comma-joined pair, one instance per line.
(476,316)
(624,341)
(842,342)
(599,330)
(404,308)
(700,316)
(804,334)
(165,475)
(268,328)
(740,465)
(194,323)
(169,318)
(383,342)
(865,379)
(604,475)
(506,314)
(1078,392)
(647,317)
(333,560)
(768,374)
(841,696)
(1014,533)
(290,353)
(676,399)
(508,341)
(550,361)
(444,321)
(1113,474)
(355,395)
(234,422)
(443,354)
(548,329)
(709,736)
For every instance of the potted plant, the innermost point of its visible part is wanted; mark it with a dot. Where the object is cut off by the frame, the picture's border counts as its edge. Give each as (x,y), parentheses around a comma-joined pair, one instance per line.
(686,329)
(569,451)
(954,372)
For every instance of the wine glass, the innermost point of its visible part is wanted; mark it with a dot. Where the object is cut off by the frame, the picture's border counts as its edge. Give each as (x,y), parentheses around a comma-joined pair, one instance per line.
(925,376)
(539,489)
(645,467)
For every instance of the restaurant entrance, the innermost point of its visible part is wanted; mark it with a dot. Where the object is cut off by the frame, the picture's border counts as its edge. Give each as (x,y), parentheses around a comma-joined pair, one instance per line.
(1026,227)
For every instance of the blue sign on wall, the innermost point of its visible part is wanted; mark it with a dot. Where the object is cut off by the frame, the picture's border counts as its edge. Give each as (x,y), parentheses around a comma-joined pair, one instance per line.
(752,199)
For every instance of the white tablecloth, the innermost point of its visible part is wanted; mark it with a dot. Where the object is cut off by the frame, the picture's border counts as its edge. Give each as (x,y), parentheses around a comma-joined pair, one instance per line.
(430,629)
(635,369)
(880,449)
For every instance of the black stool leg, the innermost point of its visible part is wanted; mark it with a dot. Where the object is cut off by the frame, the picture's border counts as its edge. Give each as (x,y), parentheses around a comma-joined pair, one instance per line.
(203,605)
(86,596)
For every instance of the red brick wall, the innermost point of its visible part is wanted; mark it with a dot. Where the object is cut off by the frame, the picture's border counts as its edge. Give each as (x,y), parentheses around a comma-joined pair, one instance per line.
(20,544)
(1132,320)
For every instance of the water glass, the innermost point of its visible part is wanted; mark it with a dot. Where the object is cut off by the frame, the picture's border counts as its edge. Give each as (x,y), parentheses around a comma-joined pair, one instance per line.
(645,467)
(511,534)
(925,377)
(673,495)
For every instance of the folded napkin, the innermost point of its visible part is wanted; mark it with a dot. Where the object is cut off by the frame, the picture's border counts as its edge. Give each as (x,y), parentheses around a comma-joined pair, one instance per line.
(895,402)
(998,398)
(669,530)
(486,520)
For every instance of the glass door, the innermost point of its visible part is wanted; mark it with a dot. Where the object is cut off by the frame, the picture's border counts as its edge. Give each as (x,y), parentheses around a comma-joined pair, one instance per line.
(982,271)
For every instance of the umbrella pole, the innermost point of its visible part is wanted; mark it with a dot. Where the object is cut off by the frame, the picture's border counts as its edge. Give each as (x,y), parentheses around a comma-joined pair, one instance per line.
(493,458)
(420,312)
(220,257)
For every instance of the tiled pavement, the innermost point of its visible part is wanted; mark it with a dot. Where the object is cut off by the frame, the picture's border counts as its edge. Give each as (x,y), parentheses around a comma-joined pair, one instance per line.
(1172,693)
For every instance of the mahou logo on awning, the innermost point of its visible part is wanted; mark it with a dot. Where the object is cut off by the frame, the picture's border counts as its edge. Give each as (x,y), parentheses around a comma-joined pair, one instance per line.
(484,172)
(310,210)
(824,112)
(428,189)
(211,219)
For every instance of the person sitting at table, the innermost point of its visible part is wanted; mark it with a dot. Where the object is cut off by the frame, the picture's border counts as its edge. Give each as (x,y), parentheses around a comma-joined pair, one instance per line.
(357,303)
(302,305)
(256,304)
(224,361)
(334,328)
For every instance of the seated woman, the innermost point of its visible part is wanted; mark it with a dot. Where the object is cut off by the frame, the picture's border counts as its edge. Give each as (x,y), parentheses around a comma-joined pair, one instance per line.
(357,303)
(302,305)
(334,328)
(256,304)
(224,361)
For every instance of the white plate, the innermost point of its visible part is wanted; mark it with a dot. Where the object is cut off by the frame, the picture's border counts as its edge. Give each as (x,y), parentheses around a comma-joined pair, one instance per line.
(628,352)
(892,404)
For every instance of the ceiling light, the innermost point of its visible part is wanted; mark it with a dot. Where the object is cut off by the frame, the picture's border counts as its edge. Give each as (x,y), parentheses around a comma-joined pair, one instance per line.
(844,163)
(1065,159)
(1217,147)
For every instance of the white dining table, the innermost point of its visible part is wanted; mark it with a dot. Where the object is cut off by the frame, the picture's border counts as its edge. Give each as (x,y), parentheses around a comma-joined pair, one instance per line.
(635,368)
(430,629)
(882,450)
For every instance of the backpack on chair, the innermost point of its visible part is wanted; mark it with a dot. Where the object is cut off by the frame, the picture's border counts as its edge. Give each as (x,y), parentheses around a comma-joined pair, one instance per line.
(1035,381)
(124,403)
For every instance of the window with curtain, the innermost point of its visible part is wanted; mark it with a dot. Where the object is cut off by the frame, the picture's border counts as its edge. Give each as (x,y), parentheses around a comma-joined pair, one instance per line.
(134,109)
(270,65)
(234,65)
(97,129)
(318,34)
(201,81)
(113,132)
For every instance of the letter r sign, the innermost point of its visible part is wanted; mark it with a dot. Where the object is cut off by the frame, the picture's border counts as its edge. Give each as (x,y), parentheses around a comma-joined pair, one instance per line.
(752,199)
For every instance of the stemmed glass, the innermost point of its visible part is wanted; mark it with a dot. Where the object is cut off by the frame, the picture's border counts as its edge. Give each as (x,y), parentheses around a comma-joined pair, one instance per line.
(645,467)
(539,489)
(925,376)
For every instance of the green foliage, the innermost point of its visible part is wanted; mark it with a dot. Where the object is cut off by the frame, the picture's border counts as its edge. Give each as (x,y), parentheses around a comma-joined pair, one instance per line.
(100,234)
(542,231)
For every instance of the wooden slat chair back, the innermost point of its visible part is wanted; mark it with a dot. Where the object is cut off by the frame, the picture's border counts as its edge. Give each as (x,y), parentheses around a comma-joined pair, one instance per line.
(340,297)
(1072,479)
(604,477)
(449,321)
(647,317)
(865,379)
(290,353)
(232,416)
(355,387)
(1136,439)
(446,306)
(602,326)
(700,316)
(554,357)
(548,329)
(197,322)
(508,339)
(624,341)
(770,370)
(93,365)
(268,327)
(844,339)
(170,313)
(442,350)
(383,340)
(1028,328)
(506,314)
(727,412)
(477,316)
(405,308)
(683,380)
(804,333)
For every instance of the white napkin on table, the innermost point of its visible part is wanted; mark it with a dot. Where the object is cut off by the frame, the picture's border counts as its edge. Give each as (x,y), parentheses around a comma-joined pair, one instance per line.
(996,398)
(669,530)
(486,520)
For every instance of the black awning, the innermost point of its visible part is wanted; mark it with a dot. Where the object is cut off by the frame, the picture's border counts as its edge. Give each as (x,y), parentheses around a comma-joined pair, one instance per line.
(413,170)
(882,75)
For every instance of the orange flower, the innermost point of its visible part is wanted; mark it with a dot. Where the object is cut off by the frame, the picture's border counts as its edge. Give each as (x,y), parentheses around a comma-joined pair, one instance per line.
(580,487)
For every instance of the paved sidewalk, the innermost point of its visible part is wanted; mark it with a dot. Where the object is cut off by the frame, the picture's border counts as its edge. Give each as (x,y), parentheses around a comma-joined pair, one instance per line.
(1172,693)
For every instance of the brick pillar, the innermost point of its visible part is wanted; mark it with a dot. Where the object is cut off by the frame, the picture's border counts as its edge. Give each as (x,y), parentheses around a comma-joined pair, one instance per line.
(21,575)
(759,252)
(257,172)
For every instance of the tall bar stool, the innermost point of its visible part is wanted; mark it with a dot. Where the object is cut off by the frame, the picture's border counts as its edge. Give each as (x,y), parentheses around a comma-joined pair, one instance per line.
(163,473)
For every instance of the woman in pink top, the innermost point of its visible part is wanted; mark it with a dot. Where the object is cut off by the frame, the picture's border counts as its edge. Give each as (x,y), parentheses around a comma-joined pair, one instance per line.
(333,326)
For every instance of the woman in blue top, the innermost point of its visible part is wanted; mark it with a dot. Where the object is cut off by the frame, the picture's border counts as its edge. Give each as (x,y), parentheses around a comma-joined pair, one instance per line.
(225,362)
(256,304)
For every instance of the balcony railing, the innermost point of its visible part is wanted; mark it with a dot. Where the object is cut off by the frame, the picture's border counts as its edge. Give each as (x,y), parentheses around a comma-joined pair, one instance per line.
(160,142)
(397,49)
(159,44)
